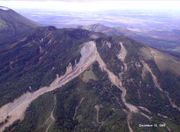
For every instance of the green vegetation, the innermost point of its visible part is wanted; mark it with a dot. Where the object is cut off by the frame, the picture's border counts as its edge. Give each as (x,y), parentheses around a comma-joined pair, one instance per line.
(27,65)
(84,119)
(90,102)
(75,108)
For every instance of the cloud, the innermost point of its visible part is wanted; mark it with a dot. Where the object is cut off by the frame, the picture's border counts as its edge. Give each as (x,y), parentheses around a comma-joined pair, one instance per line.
(93,5)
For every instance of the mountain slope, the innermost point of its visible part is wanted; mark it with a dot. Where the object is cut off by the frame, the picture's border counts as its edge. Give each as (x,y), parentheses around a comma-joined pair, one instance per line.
(73,80)
(168,43)
(13,26)
(98,82)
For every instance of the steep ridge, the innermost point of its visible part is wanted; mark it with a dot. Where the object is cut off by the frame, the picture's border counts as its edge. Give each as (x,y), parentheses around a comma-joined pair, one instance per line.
(90,53)
(15,110)
(89,50)
(40,56)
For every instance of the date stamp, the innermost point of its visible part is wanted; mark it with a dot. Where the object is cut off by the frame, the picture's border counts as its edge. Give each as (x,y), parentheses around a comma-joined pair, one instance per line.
(152,125)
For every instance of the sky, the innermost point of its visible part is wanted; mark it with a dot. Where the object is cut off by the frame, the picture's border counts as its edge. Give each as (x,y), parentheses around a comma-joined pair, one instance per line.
(93,5)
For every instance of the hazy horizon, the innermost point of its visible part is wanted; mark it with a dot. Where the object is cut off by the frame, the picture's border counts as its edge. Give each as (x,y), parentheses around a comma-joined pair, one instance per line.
(94,6)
